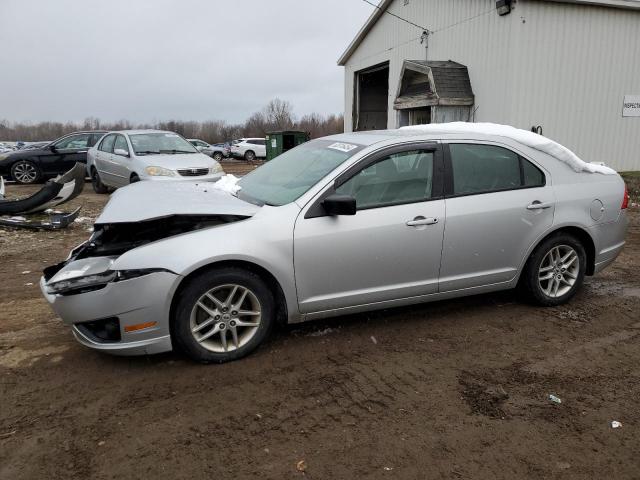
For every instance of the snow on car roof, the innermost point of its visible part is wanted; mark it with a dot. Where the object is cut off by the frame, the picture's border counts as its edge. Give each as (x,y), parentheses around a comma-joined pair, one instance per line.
(525,137)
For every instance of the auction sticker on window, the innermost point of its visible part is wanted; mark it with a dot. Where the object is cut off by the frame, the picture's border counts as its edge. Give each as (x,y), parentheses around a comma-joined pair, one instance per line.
(343,147)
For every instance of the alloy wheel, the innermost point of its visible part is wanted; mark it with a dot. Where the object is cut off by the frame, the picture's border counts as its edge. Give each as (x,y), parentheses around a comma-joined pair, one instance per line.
(558,271)
(225,318)
(25,172)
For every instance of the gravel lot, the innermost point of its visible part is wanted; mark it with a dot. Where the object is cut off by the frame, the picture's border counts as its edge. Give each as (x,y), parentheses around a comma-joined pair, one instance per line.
(455,389)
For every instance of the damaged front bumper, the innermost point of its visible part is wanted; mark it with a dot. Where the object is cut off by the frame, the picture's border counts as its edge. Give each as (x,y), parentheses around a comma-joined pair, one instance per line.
(126,317)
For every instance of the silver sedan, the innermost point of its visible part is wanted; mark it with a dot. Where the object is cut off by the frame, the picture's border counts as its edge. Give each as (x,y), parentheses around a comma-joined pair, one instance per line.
(128,156)
(341,224)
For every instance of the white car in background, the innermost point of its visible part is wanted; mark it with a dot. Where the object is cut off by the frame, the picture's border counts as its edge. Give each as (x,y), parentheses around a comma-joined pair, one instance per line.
(249,148)
(128,156)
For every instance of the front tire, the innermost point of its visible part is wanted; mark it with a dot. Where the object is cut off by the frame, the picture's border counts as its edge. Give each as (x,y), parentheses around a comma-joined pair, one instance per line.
(555,270)
(217,156)
(97,184)
(25,172)
(222,315)
(249,155)
(134,178)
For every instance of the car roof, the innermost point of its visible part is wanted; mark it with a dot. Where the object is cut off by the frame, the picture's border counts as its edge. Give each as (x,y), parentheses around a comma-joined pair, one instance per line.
(139,131)
(370,137)
(84,131)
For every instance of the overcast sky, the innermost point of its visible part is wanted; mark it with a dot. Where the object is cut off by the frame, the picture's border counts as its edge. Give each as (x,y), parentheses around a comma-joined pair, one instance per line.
(148,60)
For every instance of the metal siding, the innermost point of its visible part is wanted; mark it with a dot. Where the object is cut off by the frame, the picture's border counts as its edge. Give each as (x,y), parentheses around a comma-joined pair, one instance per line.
(563,66)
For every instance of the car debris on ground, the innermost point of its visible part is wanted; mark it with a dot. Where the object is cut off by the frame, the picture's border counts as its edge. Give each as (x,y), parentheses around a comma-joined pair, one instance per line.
(37,211)
(554,399)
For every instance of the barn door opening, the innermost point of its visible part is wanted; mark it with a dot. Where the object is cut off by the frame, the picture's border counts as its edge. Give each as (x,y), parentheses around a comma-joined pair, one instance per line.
(372,98)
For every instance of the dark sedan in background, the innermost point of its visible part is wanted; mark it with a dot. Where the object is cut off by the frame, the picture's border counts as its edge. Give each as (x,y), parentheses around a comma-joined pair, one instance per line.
(35,165)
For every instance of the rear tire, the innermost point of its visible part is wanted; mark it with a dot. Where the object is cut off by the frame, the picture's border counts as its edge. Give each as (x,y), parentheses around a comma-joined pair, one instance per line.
(26,172)
(555,270)
(222,315)
(134,178)
(217,156)
(249,155)
(97,184)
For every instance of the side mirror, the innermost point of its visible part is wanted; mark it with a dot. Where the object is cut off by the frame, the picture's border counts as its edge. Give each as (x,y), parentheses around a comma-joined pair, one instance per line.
(337,204)
(121,152)
(52,148)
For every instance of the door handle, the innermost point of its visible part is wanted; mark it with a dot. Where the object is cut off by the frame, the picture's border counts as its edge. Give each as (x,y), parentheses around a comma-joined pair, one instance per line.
(416,222)
(82,151)
(538,205)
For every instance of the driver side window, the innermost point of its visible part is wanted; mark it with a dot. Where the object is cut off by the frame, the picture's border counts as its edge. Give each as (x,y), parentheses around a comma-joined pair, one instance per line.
(121,143)
(107,143)
(405,177)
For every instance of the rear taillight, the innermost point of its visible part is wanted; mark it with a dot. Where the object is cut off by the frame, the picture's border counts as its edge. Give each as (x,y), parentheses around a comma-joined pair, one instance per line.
(625,199)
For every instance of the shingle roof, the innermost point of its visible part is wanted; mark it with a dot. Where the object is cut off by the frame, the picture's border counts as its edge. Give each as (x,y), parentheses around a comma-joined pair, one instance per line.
(451,78)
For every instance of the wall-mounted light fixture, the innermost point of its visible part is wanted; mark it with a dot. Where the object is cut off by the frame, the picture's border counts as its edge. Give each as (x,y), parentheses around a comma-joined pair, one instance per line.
(503,7)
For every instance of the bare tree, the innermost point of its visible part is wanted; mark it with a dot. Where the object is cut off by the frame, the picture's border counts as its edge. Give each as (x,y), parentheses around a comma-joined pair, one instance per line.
(276,115)
(279,115)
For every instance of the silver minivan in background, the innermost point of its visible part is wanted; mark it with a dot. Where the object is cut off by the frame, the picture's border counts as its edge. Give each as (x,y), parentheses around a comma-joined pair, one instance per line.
(337,225)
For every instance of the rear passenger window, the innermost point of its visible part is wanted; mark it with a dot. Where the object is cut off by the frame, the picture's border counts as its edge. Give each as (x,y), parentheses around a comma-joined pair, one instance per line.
(533,176)
(404,177)
(487,168)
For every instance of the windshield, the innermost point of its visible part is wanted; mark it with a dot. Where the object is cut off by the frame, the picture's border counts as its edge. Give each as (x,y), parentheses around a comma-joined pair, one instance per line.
(161,142)
(288,176)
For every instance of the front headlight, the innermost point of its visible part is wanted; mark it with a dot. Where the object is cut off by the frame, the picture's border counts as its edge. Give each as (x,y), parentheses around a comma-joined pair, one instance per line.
(217,168)
(159,172)
(97,281)
(80,284)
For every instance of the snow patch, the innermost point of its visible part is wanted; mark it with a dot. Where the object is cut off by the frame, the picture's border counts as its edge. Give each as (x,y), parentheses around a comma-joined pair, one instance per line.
(530,139)
(227,183)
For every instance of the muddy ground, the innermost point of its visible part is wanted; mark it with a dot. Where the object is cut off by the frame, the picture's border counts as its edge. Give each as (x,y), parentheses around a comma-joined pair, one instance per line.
(455,389)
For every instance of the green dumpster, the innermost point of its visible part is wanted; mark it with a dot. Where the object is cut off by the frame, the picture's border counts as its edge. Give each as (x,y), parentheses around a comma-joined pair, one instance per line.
(280,142)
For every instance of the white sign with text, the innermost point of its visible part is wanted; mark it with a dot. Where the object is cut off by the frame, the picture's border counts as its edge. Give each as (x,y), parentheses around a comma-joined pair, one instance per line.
(631,106)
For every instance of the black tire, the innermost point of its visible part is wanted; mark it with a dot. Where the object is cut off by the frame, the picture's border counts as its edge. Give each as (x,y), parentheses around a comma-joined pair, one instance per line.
(26,172)
(97,184)
(217,156)
(134,178)
(181,328)
(530,282)
(249,155)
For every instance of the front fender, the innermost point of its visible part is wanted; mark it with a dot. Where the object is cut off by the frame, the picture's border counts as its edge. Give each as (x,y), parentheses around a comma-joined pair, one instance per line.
(265,240)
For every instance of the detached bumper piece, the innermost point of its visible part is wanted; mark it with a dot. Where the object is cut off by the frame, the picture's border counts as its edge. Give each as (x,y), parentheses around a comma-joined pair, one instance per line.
(45,221)
(53,193)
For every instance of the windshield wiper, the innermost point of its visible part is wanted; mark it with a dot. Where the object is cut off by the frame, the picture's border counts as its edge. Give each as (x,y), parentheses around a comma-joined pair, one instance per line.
(146,152)
(173,152)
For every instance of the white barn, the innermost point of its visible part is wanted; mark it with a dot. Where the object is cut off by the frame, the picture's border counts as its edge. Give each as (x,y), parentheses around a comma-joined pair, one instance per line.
(569,68)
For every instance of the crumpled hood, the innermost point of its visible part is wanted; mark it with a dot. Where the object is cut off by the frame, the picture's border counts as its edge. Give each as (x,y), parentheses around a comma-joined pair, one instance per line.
(181,160)
(147,200)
